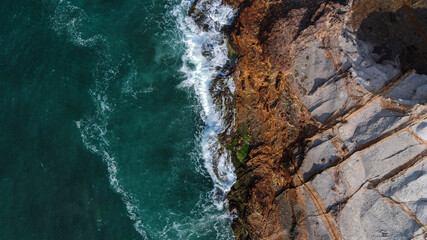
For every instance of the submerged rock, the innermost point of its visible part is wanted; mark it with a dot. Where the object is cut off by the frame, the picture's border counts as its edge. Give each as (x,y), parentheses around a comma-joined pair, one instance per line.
(333,96)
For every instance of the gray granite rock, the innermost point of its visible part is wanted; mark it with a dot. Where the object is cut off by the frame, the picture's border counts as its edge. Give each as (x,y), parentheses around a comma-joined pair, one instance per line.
(369,124)
(318,158)
(306,219)
(309,206)
(412,90)
(420,235)
(364,68)
(364,175)
(380,160)
(312,69)
(410,189)
(332,188)
(327,100)
(369,216)
(367,173)
(421,130)
(339,183)
(316,229)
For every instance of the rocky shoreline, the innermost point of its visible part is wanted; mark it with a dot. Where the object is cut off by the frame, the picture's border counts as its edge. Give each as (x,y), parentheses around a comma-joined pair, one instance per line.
(329,139)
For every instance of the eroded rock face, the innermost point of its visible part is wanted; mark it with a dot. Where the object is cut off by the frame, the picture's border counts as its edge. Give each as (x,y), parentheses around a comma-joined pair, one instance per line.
(331,119)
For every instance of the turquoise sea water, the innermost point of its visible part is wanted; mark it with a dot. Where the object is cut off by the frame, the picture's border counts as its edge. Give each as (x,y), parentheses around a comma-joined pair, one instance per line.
(106,127)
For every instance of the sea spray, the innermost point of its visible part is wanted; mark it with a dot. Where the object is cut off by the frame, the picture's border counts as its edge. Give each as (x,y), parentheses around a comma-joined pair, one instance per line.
(207,53)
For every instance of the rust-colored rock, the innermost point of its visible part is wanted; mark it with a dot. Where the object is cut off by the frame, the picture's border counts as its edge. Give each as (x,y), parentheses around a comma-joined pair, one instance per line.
(300,83)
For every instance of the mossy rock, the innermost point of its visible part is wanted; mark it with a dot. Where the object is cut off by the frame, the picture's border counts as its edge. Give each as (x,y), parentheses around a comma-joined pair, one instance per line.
(243,181)
(240,147)
(242,153)
(239,230)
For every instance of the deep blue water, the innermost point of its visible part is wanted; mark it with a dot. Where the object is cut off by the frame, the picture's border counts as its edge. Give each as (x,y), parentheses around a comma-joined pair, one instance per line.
(99,137)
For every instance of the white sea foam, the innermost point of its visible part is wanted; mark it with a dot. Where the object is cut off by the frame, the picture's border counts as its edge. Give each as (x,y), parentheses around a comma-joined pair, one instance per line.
(68,20)
(200,70)
(93,131)
(192,228)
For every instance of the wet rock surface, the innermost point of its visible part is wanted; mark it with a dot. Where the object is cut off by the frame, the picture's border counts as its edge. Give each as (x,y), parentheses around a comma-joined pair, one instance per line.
(330,119)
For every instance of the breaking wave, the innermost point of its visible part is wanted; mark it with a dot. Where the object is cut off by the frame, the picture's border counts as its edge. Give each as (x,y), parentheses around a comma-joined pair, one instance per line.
(206,53)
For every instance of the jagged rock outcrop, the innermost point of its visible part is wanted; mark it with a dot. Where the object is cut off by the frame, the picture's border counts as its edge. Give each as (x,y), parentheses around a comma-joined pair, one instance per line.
(330,137)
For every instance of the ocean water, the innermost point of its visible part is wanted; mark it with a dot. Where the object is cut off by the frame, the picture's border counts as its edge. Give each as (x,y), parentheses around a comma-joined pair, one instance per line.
(107,126)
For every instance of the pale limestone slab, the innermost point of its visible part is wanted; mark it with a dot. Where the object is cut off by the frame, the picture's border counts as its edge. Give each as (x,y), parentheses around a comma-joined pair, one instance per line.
(369,216)
(369,124)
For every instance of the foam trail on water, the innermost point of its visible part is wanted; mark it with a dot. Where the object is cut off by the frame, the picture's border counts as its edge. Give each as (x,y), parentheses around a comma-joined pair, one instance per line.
(94,134)
(68,21)
(206,52)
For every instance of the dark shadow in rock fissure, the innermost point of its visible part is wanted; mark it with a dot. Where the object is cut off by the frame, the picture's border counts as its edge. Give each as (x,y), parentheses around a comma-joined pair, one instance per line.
(401,34)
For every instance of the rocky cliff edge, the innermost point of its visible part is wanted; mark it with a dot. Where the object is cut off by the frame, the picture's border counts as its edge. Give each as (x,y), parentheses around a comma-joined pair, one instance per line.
(330,138)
